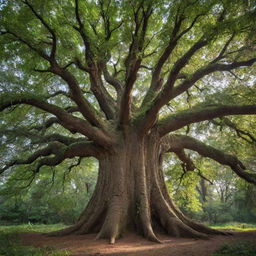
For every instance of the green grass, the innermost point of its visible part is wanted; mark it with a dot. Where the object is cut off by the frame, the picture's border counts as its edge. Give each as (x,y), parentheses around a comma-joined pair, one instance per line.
(26,228)
(10,244)
(235,226)
(240,248)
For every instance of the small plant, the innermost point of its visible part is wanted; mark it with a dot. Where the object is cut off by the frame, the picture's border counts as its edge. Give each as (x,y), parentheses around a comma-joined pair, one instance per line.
(241,248)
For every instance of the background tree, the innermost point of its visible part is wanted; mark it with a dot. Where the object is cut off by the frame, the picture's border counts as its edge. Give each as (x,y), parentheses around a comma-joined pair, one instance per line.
(122,81)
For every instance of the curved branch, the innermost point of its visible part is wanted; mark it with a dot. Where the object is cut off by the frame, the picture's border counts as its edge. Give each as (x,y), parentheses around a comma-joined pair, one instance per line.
(164,96)
(53,148)
(178,142)
(85,107)
(106,102)
(70,122)
(39,138)
(46,25)
(40,52)
(186,160)
(53,120)
(211,68)
(112,80)
(155,86)
(60,152)
(133,60)
(80,149)
(245,135)
(201,113)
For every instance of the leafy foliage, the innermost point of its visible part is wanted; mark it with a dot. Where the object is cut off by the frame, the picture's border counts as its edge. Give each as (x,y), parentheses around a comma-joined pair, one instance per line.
(63,202)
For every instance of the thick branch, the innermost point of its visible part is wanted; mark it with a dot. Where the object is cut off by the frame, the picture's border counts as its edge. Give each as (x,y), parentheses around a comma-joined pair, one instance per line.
(60,152)
(175,37)
(105,100)
(80,149)
(52,148)
(53,120)
(112,80)
(200,73)
(85,107)
(186,160)
(201,113)
(39,138)
(67,120)
(178,142)
(164,96)
(133,60)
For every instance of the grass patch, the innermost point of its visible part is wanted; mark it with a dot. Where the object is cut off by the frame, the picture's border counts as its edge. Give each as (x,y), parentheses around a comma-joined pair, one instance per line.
(10,244)
(240,248)
(235,226)
(27,228)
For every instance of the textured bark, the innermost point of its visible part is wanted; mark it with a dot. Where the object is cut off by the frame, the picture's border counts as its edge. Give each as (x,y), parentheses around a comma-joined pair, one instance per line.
(131,195)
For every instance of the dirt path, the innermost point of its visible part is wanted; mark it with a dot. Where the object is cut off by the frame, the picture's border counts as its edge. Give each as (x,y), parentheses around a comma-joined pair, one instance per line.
(133,245)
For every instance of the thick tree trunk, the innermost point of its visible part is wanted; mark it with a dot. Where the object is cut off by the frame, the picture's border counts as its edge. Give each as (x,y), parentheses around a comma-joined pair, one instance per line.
(131,194)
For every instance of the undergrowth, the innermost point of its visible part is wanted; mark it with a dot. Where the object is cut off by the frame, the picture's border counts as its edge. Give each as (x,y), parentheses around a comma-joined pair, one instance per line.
(240,248)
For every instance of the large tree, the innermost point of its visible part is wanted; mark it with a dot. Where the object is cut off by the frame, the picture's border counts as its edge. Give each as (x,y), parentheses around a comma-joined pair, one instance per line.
(124,82)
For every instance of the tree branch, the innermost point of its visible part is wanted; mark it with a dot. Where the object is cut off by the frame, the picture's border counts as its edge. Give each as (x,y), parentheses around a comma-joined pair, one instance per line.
(52,148)
(187,162)
(133,60)
(85,38)
(70,122)
(162,98)
(201,113)
(200,73)
(29,45)
(76,94)
(86,109)
(112,80)
(60,152)
(175,37)
(105,100)
(245,135)
(46,25)
(177,142)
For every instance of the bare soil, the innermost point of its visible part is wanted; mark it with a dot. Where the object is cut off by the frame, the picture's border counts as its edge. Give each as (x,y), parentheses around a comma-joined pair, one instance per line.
(133,245)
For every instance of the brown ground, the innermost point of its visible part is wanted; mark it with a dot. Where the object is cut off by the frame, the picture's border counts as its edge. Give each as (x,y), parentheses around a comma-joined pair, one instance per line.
(132,245)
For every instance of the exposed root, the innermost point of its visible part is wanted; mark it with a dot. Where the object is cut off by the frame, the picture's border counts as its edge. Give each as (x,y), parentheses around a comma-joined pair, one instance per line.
(64,232)
(91,222)
(169,220)
(114,221)
(188,222)
(112,240)
(193,224)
